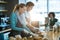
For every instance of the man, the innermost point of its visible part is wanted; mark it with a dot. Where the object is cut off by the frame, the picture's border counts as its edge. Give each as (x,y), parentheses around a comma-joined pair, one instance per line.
(29,6)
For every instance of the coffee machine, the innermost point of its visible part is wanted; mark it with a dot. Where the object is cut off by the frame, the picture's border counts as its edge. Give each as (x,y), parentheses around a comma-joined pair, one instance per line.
(4,22)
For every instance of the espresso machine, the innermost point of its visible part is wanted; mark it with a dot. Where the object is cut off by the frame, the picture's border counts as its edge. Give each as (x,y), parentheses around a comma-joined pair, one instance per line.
(4,22)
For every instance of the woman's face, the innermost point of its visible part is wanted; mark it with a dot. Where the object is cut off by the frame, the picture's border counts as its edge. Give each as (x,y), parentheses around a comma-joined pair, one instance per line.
(51,16)
(22,10)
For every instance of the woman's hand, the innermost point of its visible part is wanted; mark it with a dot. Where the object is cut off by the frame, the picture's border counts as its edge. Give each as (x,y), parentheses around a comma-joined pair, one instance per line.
(25,31)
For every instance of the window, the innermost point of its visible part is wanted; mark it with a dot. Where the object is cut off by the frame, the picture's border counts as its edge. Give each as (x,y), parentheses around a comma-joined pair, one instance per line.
(39,11)
(54,6)
(43,7)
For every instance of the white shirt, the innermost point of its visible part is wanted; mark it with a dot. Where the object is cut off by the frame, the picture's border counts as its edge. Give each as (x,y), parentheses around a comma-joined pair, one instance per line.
(27,15)
(22,19)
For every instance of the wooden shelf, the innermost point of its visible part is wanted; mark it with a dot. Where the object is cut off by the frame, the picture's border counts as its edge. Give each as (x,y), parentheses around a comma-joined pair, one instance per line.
(3,10)
(3,2)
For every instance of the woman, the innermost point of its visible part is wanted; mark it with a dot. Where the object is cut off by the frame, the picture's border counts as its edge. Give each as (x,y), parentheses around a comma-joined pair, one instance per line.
(18,21)
(52,19)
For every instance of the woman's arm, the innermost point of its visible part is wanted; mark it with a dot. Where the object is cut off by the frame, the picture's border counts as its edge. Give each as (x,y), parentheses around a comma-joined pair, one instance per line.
(13,20)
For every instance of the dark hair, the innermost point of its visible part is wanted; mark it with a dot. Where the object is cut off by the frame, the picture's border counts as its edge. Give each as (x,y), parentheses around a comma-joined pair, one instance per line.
(29,4)
(18,6)
(51,13)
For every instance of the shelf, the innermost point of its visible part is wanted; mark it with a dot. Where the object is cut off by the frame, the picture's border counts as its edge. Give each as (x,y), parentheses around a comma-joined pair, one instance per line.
(3,2)
(3,10)
(5,30)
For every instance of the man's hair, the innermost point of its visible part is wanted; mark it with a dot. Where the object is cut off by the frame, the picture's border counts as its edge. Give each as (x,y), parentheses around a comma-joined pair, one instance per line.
(18,6)
(29,4)
(53,14)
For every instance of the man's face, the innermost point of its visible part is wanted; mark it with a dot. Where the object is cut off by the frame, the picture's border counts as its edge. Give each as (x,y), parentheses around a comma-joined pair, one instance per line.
(29,8)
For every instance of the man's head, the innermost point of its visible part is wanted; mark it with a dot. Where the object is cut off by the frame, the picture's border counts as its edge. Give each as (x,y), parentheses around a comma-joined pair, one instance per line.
(29,6)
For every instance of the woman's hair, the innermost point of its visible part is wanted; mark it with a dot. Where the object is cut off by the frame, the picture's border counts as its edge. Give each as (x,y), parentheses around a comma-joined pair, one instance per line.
(29,4)
(17,6)
(53,14)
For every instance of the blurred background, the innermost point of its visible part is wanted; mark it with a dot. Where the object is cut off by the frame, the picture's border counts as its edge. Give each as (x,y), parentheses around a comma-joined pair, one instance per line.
(40,10)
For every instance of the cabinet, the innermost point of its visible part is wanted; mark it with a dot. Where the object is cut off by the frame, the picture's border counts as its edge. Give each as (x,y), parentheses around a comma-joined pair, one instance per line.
(6,6)
(4,34)
(3,7)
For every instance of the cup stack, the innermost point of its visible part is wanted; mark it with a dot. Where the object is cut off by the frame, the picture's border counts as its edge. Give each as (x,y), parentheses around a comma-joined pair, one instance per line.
(12,38)
(18,37)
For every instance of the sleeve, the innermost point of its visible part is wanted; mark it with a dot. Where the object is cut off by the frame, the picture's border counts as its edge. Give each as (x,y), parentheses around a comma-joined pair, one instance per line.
(13,22)
(56,20)
(24,23)
(27,16)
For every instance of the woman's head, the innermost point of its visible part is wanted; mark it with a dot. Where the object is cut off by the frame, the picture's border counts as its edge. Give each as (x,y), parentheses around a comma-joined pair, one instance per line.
(51,15)
(20,7)
(29,6)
